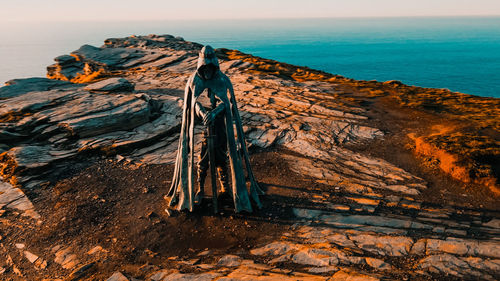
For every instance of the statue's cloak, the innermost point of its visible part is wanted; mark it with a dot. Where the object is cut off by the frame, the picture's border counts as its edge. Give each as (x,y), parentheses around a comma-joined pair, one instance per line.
(181,192)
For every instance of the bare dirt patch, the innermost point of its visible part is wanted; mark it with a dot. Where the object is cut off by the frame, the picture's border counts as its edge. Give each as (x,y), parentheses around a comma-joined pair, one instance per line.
(120,207)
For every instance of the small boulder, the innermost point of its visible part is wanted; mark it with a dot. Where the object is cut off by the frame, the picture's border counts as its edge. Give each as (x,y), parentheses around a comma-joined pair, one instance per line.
(394,83)
(117,276)
(229,261)
(351,275)
(30,256)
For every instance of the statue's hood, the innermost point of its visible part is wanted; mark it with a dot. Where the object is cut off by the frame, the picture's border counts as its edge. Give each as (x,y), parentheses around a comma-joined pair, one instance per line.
(207,56)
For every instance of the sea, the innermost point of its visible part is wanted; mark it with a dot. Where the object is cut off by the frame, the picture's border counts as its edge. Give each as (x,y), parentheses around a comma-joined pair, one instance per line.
(457,53)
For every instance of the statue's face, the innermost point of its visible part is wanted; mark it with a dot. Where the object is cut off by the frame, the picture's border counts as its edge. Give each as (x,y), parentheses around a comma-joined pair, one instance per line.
(207,72)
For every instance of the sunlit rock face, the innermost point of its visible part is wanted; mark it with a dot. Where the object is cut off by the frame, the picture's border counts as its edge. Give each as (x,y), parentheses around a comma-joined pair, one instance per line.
(124,101)
(131,100)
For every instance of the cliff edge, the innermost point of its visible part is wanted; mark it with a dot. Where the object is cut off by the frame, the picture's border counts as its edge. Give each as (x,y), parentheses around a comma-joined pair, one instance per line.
(364,180)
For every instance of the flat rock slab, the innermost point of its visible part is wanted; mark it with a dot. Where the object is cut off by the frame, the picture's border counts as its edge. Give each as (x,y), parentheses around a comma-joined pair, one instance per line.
(111,57)
(115,84)
(230,261)
(348,275)
(117,276)
(14,198)
(17,87)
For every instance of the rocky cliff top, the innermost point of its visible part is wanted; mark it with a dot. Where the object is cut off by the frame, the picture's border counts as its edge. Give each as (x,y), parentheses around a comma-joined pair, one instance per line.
(364,179)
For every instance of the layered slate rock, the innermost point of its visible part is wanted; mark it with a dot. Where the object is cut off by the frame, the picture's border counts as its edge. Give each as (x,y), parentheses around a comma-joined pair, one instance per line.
(111,85)
(123,100)
(18,87)
(136,114)
(116,55)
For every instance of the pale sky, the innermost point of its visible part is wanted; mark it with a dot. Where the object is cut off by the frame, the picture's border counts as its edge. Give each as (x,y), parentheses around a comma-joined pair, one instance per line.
(125,10)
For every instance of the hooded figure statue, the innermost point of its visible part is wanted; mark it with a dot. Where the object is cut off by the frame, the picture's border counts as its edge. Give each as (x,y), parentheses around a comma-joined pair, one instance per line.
(223,140)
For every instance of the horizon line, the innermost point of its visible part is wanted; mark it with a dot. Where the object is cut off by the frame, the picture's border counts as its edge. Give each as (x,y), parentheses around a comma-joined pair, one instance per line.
(253,18)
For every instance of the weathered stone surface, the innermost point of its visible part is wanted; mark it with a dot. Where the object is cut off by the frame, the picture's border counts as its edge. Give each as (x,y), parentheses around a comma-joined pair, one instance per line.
(191,277)
(315,257)
(95,250)
(341,240)
(159,275)
(349,275)
(81,271)
(107,56)
(357,221)
(364,201)
(324,269)
(66,258)
(494,223)
(115,84)
(463,247)
(460,267)
(19,87)
(229,261)
(378,264)
(58,124)
(14,198)
(275,248)
(352,172)
(403,189)
(117,276)
(383,245)
(65,59)
(418,247)
(9,194)
(30,256)
(307,213)
(250,271)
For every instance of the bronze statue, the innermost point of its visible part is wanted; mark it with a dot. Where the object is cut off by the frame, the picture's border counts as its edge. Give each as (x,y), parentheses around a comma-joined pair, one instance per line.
(223,140)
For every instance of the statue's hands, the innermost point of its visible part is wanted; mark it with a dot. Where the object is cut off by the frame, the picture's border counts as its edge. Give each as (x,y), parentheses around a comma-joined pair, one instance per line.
(209,117)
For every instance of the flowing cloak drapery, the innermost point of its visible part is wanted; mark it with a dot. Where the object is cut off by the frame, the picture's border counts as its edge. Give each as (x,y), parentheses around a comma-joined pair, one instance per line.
(182,189)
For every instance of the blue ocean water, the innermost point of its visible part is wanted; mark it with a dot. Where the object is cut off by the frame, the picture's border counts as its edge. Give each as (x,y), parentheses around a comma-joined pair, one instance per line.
(458,53)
